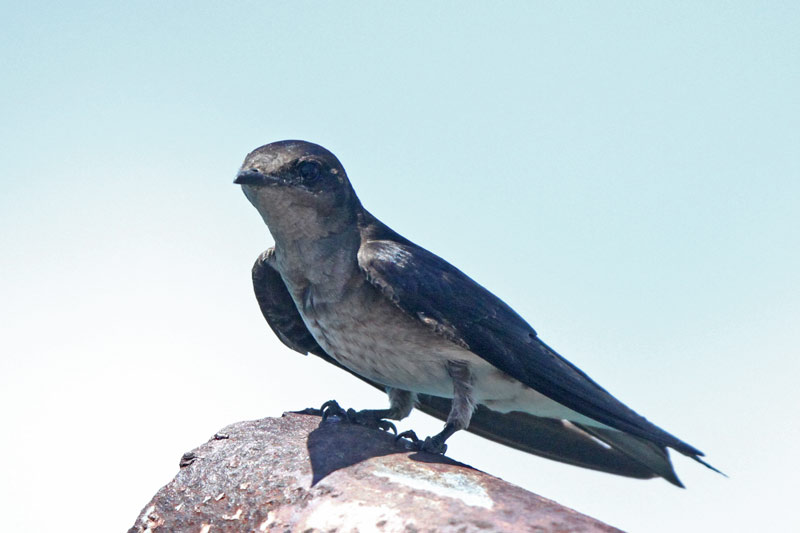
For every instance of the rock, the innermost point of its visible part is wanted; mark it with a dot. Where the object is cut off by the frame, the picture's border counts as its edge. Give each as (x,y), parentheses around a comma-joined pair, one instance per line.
(297,474)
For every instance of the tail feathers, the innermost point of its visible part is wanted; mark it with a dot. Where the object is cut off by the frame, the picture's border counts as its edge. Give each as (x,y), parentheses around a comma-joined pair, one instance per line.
(702,462)
(649,454)
(562,441)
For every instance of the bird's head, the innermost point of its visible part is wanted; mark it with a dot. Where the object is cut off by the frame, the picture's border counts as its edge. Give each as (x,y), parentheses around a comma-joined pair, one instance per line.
(300,189)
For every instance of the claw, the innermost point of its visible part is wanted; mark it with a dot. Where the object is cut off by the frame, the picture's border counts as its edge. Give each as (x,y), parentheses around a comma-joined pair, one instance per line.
(432,445)
(409,435)
(385,425)
(332,408)
(369,417)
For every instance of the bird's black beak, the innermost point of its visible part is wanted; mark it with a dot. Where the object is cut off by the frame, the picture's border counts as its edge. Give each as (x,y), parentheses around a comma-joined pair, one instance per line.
(250,176)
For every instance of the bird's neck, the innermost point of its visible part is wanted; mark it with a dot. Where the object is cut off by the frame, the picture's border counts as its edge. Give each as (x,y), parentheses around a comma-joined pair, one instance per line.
(325,261)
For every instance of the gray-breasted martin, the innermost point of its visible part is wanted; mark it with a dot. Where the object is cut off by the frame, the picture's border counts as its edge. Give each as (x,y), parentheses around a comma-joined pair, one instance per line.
(342,285)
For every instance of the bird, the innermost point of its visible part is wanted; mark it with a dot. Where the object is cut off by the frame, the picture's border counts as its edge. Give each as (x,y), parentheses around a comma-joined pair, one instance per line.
(343,286)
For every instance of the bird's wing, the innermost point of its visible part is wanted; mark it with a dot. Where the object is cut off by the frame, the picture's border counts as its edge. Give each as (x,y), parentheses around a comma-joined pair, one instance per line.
(445,299)
(545,437)
(278,307)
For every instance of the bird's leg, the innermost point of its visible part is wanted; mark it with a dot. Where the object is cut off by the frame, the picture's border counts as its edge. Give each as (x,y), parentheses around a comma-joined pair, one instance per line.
(401,403)
(460,412)
(435,444)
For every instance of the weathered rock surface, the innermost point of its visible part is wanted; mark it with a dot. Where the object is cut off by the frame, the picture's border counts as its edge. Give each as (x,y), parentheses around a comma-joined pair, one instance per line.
(297,474)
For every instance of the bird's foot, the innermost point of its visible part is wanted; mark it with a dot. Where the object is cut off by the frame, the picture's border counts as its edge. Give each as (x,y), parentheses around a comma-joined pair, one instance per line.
(409,435)
(410,440)
(430,444)
(371,418)
(434,445)
(331,408)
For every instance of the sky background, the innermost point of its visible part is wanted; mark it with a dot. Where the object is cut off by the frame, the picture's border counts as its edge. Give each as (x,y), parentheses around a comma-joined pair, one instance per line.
(623,174)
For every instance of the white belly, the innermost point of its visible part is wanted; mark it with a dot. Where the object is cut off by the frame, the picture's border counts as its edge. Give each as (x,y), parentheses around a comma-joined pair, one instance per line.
(405,354)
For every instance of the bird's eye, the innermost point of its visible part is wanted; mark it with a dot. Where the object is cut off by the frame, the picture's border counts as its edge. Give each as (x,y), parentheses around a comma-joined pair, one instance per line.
(310,171)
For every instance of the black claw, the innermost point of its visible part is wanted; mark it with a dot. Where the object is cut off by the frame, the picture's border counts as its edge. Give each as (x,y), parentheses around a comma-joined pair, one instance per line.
(332,408)
(385,425)
(432,445)
(409,435)
(370,418)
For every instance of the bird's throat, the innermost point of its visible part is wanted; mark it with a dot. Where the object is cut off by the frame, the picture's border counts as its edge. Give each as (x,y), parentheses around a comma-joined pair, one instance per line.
(322,262)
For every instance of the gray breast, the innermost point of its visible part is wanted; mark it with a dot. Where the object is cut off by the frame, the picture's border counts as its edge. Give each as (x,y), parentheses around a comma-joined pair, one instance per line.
(371,336)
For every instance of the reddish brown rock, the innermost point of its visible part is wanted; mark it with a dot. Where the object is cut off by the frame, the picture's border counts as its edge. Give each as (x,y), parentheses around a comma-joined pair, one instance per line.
(295,474)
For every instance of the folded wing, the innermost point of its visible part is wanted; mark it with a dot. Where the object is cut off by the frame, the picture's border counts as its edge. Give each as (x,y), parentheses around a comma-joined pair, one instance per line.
(453,305)
(558,440)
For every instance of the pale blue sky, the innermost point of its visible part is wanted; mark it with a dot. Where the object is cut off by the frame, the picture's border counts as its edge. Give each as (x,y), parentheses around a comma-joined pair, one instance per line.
(625,175)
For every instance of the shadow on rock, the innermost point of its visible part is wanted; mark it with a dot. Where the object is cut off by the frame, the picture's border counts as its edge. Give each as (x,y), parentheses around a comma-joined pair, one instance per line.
(335,444)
